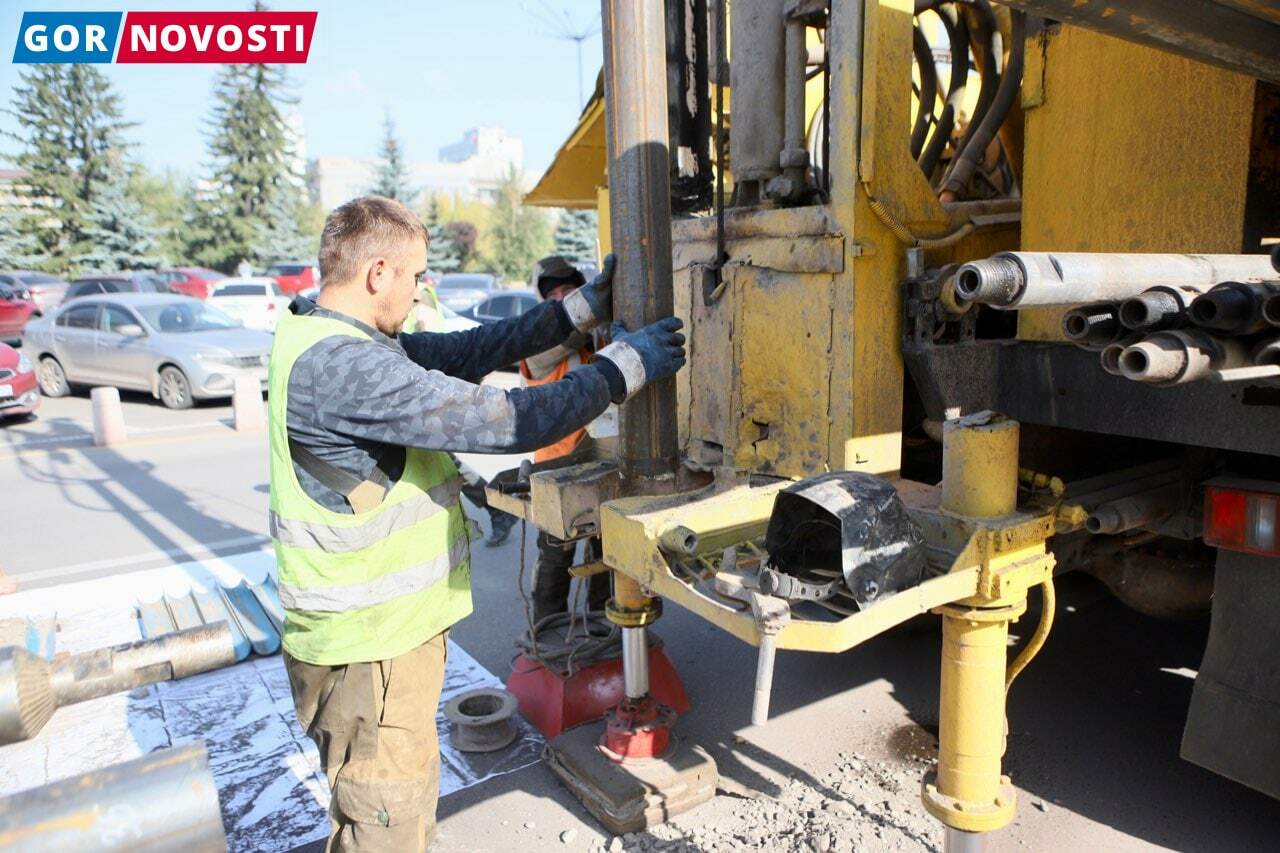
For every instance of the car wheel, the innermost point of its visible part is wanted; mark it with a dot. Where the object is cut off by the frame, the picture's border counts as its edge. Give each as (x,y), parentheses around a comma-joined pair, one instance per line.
(52,378)
(175,390)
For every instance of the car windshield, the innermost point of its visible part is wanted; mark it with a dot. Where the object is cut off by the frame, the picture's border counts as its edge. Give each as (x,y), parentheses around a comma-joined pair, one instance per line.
(241,290)
(466,282)
(185,317)
(286,269)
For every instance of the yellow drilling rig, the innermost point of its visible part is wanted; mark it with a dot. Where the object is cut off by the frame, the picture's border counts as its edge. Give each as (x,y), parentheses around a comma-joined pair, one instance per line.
(977,293)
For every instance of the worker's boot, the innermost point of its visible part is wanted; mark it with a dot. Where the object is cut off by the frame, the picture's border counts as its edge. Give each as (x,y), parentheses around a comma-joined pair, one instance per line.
(500,524)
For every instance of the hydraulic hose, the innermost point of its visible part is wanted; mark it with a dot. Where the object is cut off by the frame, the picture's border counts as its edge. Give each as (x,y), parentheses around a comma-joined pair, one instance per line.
(928,90)
(988,35)
(1048,601)
(958,36)
(966,162)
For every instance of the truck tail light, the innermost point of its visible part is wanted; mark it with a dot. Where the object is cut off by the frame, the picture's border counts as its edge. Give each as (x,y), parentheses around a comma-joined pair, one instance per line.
(1242,520)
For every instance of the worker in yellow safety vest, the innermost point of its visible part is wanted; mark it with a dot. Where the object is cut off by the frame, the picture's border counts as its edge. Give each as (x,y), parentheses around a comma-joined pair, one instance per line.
(371,544)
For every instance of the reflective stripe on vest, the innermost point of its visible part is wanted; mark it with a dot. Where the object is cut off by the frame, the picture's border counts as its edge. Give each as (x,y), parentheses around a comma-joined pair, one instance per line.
(344,539)
(359,596)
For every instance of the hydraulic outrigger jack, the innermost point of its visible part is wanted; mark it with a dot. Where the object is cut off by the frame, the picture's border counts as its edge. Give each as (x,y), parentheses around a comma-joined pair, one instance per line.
(637,772)
(967,792)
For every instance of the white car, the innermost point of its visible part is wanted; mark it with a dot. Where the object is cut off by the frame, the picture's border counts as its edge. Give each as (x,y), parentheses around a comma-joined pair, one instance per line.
(256,301)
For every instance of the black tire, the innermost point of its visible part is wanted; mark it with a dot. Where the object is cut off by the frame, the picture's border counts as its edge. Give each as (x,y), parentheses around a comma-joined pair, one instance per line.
(52,378)
(175,388)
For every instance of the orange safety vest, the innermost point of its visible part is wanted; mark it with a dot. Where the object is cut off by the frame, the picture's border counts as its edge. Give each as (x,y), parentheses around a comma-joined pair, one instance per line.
(569,443)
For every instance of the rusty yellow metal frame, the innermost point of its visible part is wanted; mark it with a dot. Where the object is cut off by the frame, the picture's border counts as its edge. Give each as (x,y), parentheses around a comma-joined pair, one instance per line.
(987,560)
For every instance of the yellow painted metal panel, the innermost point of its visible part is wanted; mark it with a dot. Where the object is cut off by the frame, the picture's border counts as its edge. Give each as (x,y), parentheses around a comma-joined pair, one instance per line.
(1130,149)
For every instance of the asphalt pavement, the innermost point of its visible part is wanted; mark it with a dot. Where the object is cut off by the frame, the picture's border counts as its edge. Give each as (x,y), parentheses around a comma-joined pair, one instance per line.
(1094,723)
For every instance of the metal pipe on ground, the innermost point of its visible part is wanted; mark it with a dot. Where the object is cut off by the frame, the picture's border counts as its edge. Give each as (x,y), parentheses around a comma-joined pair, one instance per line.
(1234,307)
(1093,326)
(164,801)
(640,203)
(31,688)
(1015,280)
(1162,307)
(757,79)
(1180,356)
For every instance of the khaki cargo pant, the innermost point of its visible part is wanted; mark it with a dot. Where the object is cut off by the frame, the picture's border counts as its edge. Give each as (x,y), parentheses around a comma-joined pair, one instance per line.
(375,727)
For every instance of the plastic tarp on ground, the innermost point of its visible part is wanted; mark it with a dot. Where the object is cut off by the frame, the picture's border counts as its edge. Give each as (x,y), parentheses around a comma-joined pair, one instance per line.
(272,793)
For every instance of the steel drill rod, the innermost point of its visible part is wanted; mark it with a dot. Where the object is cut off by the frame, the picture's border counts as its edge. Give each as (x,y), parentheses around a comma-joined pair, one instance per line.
(1029,279)
(1157,309)
(635,662)
(31,688)
(164,801)
(102,672)
(1234,308)
(1271,310)
(1180,356)
(1266,352)
(764,679)
(1092,326)
(1138,510)
(635,79)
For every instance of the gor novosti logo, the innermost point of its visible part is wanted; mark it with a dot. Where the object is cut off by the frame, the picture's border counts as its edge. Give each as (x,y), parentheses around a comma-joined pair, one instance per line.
(165,37)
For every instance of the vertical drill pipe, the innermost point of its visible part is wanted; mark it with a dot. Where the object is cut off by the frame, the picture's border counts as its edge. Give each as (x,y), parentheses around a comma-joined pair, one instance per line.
(163,801)
(635,662)
(635,72)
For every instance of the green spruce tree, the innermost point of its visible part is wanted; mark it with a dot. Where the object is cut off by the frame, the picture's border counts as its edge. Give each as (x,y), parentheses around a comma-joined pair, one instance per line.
(520,234)
(19,245)
(68,123)
(575,236)
(119,234)
(250,209)
(442,254)
(391,179)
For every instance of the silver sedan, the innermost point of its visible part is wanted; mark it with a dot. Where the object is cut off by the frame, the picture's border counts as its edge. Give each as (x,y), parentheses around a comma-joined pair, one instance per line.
(178,348)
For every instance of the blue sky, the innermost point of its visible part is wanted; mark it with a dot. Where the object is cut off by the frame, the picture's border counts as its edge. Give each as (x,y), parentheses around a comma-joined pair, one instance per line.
(438,66)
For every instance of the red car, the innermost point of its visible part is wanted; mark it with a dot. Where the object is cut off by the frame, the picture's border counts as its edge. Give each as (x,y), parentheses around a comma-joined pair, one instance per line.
(294,277)
(192,281)
(15,308)
(18,394)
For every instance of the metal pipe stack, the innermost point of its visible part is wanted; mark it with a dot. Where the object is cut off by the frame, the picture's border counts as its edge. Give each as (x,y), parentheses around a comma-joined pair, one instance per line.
(1157,319)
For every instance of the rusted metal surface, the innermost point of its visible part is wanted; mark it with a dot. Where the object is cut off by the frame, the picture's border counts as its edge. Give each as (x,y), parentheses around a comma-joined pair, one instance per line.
(635,70)
(1243,36)
(165,801)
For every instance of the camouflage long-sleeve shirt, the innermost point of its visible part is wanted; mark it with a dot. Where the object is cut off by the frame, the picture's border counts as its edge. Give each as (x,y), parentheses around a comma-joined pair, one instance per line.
(356,402)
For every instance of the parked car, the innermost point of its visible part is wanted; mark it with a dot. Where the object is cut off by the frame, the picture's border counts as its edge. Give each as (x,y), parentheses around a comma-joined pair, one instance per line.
(45,290)
(178,348)
(294,276)
(127,282)
(502,305)
(257,302)
(18,395)
(15,308)
(192,281)
(461,290)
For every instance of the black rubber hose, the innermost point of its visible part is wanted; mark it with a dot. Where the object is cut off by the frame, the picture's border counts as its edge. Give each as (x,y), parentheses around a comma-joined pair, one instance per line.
(966,162)
(987,34)
(958,36)
(928,90)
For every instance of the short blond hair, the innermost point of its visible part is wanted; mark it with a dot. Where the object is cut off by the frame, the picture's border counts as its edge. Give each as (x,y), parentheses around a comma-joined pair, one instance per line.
(361,229)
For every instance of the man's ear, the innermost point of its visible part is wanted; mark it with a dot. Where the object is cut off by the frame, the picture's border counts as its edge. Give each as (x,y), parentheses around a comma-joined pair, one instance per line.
(376,275)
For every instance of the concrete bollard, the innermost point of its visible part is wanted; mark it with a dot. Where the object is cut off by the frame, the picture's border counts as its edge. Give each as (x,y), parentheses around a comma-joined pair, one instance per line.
(250,413)
(108,417)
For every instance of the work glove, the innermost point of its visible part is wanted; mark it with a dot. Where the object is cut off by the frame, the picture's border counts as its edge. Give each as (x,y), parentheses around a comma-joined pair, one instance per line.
(646,355)
(592,304)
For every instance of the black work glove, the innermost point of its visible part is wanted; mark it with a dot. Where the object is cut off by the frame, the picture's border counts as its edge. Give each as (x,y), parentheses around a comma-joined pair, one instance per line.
(646,355)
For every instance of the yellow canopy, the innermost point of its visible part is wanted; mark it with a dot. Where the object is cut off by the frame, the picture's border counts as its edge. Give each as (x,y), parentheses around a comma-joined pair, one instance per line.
(579,166)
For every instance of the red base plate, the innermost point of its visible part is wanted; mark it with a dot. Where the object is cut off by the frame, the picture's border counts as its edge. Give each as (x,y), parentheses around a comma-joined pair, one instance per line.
(554,705)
